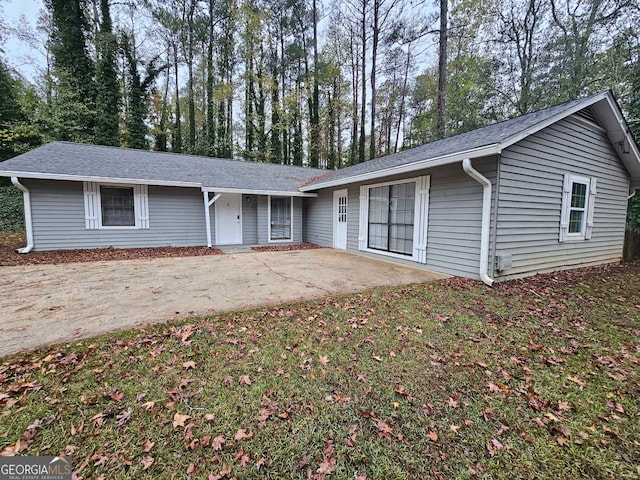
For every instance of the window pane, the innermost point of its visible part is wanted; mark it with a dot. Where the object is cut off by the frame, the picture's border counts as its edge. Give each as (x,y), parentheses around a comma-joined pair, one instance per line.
(378,236)
(391,217)
(575,221)
(578,195)
(280,218)
(117,207)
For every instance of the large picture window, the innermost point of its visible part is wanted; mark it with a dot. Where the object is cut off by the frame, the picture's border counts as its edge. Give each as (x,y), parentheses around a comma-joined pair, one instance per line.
(280,218)
(117,206)
(391,218)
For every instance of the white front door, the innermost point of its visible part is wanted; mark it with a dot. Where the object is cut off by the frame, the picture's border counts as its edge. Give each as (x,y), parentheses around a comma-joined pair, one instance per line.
(340,206)
(229,219)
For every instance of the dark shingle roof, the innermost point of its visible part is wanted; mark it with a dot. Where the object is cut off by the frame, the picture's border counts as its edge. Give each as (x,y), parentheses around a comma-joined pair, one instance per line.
(63,159)
(481,137)
(81,160)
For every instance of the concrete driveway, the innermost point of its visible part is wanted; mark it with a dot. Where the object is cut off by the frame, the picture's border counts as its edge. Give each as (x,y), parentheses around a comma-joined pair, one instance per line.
(45,304)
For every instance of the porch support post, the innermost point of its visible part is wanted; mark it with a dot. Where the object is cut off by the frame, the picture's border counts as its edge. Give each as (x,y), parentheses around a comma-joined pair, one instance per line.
(207,217)
(207,214)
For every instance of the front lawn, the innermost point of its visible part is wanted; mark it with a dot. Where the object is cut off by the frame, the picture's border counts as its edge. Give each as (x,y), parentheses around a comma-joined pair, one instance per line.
(531,379)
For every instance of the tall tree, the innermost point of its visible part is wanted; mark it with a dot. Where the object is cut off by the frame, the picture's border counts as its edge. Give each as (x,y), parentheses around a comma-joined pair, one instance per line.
(314,103)
(442,69)
(138,90)
(107,87)
(73,69)
(582,26)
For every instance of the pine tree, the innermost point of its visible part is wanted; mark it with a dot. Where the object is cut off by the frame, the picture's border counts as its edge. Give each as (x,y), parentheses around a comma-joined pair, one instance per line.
(107,89)
(138,90)
(74,104)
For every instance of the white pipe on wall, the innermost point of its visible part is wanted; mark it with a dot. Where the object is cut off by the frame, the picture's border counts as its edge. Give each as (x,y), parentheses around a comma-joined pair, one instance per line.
(27,215)
(486,219)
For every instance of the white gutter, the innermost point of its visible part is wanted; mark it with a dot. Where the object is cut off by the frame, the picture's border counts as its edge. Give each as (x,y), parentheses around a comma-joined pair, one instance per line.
(27,215)
(248,191)
(85,178)
(486,219)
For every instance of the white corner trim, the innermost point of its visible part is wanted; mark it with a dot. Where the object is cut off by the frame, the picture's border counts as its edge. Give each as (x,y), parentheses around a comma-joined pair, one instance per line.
(486,219)
(28,222)
(487,150)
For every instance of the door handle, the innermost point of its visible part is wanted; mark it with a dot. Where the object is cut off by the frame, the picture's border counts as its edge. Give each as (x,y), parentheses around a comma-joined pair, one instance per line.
(238,217)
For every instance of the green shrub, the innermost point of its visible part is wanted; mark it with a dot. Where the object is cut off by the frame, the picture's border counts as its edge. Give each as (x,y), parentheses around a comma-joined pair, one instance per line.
(11,209)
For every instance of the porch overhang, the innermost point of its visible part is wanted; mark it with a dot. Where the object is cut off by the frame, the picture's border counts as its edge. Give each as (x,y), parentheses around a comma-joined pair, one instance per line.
(249,191)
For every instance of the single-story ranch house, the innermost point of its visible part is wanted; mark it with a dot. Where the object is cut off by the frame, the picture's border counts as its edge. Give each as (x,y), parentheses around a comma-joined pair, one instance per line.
(544,191)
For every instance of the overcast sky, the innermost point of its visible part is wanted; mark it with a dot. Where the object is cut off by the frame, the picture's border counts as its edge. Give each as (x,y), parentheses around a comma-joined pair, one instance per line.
(19,55)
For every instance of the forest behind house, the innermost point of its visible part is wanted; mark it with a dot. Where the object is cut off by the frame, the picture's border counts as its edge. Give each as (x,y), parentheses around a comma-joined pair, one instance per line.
(313,83)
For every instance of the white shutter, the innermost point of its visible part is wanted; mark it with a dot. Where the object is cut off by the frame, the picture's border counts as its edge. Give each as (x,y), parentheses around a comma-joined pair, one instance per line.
(91,205)
(141,205)
(364,218)
(421,219)
(566,203)
(590,207)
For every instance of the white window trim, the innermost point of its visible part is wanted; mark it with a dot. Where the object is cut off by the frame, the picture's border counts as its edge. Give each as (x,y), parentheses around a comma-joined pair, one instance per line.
(587,220)
(93,206)
(420,219)
(279,240)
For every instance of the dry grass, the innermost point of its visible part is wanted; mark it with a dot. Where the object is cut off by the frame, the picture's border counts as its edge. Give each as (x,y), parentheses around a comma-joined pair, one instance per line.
(532,379)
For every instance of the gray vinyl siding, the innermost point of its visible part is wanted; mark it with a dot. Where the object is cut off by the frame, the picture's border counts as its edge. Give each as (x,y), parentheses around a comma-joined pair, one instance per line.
(318,218)
(249,219)
(176,218)
(454,224)
(263,221)
(530,199)
(455,218)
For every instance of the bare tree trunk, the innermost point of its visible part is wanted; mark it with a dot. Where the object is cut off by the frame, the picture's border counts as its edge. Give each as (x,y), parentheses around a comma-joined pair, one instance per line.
(211,128)
(176,142)
(355,69)
(402,98)
(361,146)
(314,148)
(374,57)
(442,70)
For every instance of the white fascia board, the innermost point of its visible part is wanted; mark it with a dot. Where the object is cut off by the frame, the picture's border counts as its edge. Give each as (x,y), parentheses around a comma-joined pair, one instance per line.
(485,151)
(633,147)
(81,178)
(248,191)
(507,142)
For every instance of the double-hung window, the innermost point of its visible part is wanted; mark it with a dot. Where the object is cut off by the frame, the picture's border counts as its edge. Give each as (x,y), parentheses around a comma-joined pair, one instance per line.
(578,203)
(115,206)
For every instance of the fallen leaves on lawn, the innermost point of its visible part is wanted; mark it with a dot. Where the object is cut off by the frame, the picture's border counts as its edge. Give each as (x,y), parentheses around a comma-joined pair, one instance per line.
(242,434)
(179,419)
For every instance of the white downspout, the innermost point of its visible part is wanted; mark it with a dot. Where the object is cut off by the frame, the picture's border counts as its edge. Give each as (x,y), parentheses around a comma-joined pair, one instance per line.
(27,215)
(486,219)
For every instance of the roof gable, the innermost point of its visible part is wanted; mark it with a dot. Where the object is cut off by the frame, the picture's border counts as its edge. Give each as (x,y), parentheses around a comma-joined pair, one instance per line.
(491,139)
